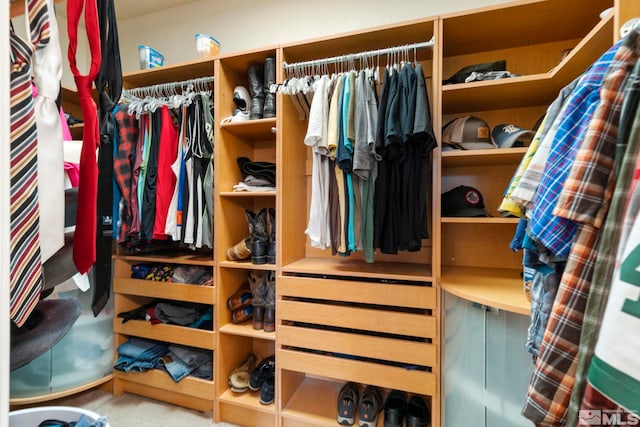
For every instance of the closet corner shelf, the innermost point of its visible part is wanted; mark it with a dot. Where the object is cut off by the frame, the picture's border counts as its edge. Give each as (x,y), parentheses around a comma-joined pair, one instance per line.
(528,90)
(352,267)
(246,330)
(479,220)
(499,288)
(169,73)
(59,395)
(314,400)
(259,129)
(166,290)
(247,194)
(248,399)
(175,334)
(247,265)
(488,157)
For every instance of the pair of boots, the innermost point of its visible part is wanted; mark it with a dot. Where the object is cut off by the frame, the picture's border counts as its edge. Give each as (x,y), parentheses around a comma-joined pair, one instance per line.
(263,300)
(261,77)
(260,245)
(263,244)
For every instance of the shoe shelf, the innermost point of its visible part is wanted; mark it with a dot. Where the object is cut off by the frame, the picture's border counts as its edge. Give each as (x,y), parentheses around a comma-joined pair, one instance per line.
(190,392)
(246,265)
(249,399)
(314,403)
(246,330)
(253,130)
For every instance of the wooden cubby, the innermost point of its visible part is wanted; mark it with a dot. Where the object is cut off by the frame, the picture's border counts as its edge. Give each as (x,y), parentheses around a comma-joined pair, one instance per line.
(256,140)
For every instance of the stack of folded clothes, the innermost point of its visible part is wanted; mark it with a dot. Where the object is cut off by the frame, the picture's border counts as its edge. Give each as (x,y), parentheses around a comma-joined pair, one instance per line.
(257,176)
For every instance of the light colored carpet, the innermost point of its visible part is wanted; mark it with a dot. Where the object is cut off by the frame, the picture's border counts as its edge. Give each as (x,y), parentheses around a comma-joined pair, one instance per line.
(130,410)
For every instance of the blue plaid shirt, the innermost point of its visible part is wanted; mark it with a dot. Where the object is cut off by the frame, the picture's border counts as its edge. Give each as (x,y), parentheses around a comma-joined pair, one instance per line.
(555,233)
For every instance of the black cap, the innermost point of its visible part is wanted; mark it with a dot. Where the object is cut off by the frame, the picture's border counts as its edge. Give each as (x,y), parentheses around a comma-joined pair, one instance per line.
(463,201)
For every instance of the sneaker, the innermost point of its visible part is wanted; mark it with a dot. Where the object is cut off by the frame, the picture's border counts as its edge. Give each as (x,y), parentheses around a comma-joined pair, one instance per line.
(267,391)
(265,369)
(394,408)
(347,404)
(370,406)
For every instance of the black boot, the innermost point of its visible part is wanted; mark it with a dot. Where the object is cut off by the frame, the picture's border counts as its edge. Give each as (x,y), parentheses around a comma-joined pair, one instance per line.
(259,236)
(256,84)
(269,79)
(271,254)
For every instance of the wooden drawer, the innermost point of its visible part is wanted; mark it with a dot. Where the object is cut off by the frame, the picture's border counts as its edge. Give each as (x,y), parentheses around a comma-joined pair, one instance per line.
(382,375)
(411,294)
(166,290)
(192,337)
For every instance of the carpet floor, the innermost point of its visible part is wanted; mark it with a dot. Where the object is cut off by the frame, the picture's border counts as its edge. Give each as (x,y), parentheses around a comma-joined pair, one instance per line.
(129,410)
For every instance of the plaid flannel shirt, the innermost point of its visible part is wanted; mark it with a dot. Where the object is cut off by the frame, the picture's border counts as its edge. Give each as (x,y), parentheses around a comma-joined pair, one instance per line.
(126,138)
(553,378)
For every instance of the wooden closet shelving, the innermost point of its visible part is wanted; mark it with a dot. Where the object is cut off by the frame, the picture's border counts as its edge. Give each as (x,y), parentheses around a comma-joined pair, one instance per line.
(256,140)
(536,54)
(343,319)
(129,293)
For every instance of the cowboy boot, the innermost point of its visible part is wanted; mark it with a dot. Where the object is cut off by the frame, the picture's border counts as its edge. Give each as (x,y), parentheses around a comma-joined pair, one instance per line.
(259,236)
(269,79)
(269,323)
(241,250)
(271,253)
(258,286)
(256,84)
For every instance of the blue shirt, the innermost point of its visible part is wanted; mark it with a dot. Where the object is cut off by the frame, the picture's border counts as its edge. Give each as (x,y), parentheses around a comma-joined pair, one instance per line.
(555,233)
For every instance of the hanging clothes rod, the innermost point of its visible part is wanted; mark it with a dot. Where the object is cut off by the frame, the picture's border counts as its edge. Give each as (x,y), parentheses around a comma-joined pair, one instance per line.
(161,89)
(359,55)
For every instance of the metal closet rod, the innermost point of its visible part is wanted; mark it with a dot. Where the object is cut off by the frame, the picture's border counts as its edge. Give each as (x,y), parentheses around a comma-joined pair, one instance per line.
(359,55)
(163,88)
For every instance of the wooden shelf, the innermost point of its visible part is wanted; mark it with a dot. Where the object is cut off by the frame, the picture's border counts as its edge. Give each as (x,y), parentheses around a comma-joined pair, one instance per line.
(171,258)
(246,330)
(479,220)
(499,288)
(247,194)
(314,402)
(345,267)
(166,290)
(249,399)
(256,130)
(488,157)
(247,265)
(169,73)
(523,23)
(175,334)
(528,90)
(190,386)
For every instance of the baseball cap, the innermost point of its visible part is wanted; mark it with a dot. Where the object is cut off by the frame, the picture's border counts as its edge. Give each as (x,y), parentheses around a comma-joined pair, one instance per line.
(507,135)
(463,201)
(468,133)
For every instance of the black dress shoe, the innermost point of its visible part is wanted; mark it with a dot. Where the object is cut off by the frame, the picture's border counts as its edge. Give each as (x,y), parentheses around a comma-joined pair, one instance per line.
(265,369)
(418,414)
(394,408)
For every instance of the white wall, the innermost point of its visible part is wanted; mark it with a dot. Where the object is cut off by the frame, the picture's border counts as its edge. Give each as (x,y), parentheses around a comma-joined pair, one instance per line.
(249,24)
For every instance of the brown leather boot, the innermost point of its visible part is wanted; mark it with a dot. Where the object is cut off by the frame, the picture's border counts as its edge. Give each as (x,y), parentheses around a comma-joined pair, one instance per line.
(257,282)
(269,323)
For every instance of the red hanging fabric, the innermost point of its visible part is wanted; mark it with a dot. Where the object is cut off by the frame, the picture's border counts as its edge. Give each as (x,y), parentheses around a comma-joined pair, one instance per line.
(84,239)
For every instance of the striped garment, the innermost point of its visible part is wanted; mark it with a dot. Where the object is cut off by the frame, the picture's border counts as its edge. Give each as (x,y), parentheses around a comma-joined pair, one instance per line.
(25,276)
(553,378)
